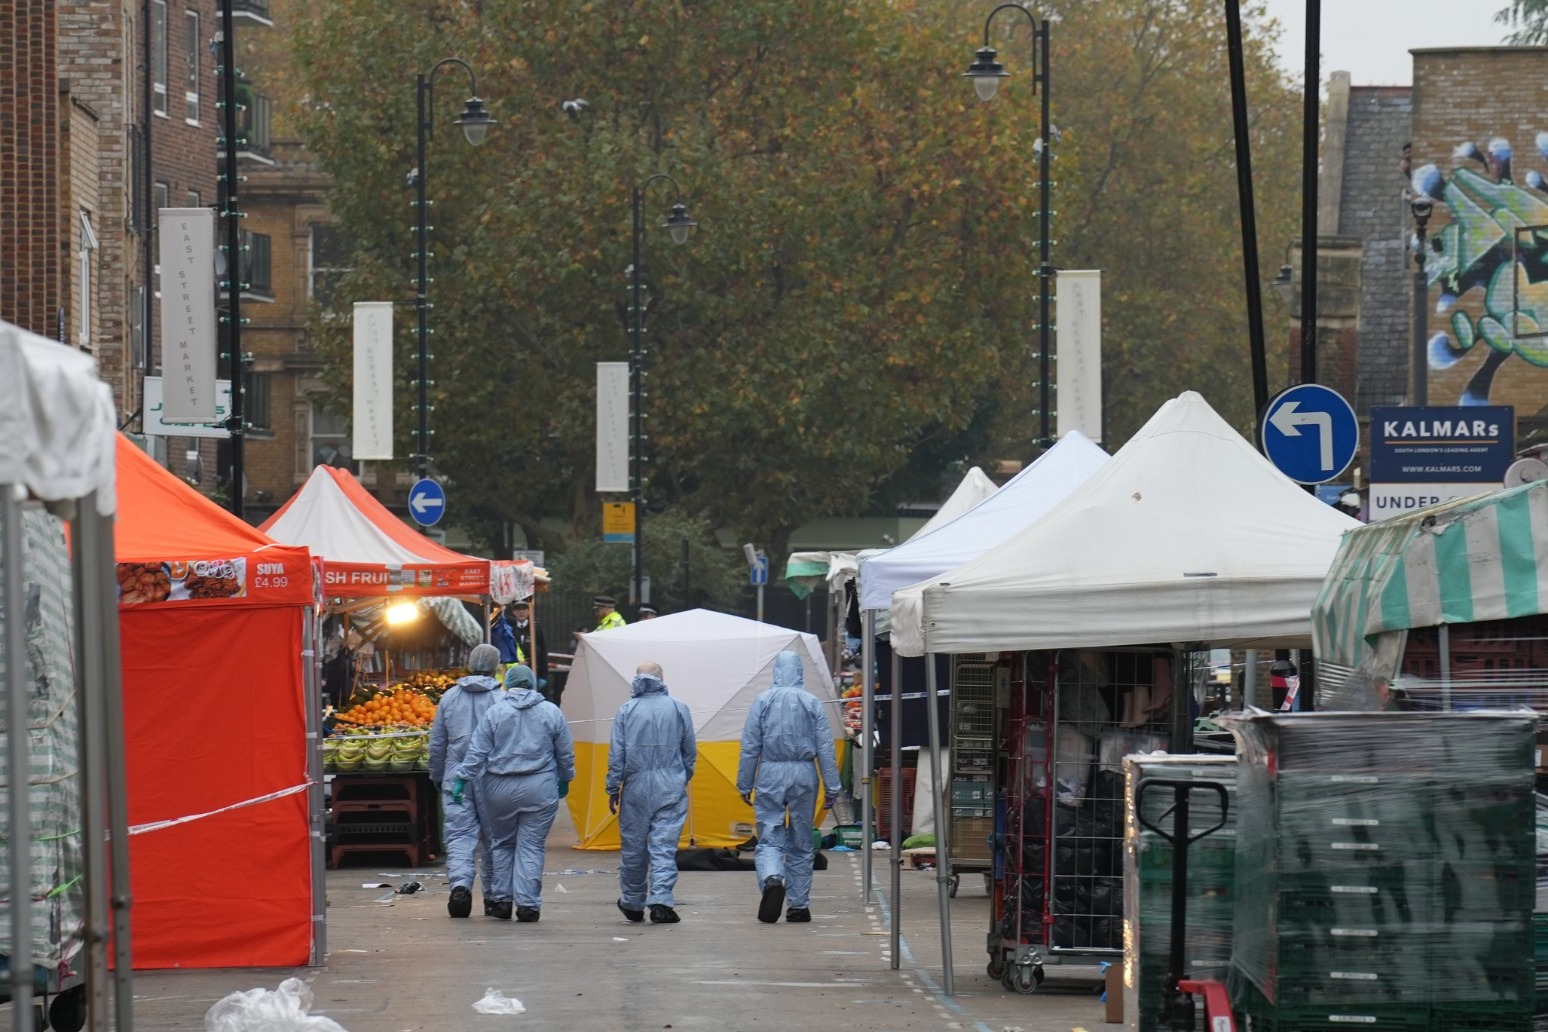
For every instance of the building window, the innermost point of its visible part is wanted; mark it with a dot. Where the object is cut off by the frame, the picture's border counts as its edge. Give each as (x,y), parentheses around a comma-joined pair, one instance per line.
(159,55)
(161,197)
(191,87)
(193,199)
(257,258)
(329,263)
(330,439)
(256,404)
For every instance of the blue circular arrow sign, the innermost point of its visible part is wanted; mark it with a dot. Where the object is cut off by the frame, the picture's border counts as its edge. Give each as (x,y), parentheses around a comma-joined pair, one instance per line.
(1310,433)
(427,502)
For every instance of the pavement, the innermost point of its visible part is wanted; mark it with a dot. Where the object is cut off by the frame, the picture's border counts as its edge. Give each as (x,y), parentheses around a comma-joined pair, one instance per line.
(398,962)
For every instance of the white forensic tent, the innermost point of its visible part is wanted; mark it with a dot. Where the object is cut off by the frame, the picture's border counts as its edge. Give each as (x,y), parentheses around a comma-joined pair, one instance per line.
(1024,499)
(717,664)
(1187,535)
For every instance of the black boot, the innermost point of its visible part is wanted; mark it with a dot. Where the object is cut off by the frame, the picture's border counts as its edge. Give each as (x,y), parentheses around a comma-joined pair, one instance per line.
(634,916)
(660,913)
(500,908)
(773,899)
(527,915)
(798,915)
(461,902)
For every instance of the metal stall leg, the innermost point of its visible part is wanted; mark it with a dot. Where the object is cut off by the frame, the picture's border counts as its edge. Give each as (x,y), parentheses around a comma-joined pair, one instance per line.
(18,755)
(942,845)
(92,748)
(99,541)
(311,679)
(895,806)
(867,745)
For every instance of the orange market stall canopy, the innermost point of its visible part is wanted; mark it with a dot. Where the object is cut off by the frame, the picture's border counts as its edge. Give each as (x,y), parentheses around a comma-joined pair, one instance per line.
(218,706)
(368,552)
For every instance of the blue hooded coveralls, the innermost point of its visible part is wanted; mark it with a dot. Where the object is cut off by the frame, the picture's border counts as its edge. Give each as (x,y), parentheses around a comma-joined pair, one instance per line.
(457,715)
(786,731)
(519,754)
(650,761)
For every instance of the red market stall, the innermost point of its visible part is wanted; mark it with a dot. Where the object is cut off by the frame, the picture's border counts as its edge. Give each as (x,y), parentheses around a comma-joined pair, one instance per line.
(215,620)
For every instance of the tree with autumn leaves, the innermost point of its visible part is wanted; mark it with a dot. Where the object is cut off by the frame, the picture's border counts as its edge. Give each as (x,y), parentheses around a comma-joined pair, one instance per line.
(855,317)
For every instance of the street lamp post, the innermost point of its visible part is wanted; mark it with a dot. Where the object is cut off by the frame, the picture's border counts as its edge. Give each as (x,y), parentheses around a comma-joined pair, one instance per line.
(679,225)
(1421,209)
(476,123)
(986,74)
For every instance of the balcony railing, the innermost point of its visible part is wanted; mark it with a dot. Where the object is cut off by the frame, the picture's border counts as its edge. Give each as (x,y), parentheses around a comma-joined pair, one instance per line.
(251,12)
(254,125)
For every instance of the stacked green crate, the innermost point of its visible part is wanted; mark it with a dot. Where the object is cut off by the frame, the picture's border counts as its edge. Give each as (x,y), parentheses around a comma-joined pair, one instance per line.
(1147,890)
(1385,871)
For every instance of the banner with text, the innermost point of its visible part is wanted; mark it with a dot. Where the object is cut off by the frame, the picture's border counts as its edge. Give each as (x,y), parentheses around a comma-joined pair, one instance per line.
(372,420)
(1079,353)
(188,326)
(612,427)
(152,398)
(1425,455)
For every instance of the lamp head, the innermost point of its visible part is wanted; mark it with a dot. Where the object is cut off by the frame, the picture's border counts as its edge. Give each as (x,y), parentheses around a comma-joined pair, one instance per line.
(475,120)
(1422,207)
(679,223)
(986,73)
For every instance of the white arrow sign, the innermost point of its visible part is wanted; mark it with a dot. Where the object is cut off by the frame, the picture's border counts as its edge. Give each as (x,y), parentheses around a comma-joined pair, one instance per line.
(424,501)
(1289,422)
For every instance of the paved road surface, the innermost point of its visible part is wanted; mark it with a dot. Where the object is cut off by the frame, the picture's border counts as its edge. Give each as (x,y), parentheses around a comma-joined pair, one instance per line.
(399,963)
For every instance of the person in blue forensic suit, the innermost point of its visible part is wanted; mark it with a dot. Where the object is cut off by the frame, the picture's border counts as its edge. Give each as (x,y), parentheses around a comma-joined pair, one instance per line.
(786,738)
(649,764)
(522,760)
(456,718)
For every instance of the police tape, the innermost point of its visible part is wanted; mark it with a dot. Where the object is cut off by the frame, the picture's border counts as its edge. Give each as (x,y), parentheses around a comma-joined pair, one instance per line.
(140,829)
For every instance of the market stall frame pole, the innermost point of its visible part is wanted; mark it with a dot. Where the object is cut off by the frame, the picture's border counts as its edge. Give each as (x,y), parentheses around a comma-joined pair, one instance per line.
(17,757)
(679,225)
(986,74)
(311,655)
(104,797)
(942,828)
(895,791)
(476,123)
(867,746)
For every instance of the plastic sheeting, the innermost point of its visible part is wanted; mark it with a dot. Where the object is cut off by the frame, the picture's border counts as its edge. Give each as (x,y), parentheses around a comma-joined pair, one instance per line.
(56,419)
(1385,868)
(54,789)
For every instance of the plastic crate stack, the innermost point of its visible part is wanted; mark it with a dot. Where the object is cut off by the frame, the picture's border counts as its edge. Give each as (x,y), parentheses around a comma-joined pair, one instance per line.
(1385,872)
(1147,891)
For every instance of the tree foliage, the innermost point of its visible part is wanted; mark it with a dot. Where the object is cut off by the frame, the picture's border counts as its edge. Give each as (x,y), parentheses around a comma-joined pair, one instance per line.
(856,311)
(687,567)
(1528,20)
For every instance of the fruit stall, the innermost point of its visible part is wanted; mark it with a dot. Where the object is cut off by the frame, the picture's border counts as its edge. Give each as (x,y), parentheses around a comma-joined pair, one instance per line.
(379,578)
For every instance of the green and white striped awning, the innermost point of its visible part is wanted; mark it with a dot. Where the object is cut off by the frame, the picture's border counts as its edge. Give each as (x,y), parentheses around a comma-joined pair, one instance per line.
(1481,558)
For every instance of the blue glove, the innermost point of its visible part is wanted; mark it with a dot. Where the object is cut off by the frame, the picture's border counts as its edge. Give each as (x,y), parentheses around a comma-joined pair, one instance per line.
(564,788)
(542,683)
(457,790)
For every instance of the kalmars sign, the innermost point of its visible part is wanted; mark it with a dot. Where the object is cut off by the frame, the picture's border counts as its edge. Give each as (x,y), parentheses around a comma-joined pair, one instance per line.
(1438,429)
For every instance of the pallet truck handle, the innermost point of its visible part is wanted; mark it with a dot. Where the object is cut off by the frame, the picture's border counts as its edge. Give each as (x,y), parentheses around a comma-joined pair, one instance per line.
(1180,789)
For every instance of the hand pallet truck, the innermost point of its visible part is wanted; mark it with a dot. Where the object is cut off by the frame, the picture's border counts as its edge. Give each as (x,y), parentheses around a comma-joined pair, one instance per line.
(1177,1009)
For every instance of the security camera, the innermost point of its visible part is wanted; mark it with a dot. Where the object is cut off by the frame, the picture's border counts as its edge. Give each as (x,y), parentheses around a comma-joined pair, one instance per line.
(751,553)
(1422,207)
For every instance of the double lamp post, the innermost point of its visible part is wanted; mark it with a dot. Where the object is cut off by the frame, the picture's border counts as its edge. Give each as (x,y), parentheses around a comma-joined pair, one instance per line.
(476,122)
(679,225)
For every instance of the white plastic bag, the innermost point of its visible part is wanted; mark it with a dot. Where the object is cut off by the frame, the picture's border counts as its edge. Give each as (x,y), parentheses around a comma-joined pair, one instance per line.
(269,1010)
(496,1002)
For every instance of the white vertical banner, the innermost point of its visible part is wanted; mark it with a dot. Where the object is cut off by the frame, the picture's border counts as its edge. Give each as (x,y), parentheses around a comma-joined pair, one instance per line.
(372,420)
(612,427)
(1079,352)
(188,326)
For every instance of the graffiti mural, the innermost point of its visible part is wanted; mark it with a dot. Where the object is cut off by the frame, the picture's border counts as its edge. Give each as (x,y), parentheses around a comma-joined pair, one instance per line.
(1490,263)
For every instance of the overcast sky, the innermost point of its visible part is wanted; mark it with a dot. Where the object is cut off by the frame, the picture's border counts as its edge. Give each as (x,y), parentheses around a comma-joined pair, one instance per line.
(1370,39)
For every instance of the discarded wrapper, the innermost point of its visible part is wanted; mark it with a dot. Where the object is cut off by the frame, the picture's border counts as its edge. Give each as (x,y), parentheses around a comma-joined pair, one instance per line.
(496,1002)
